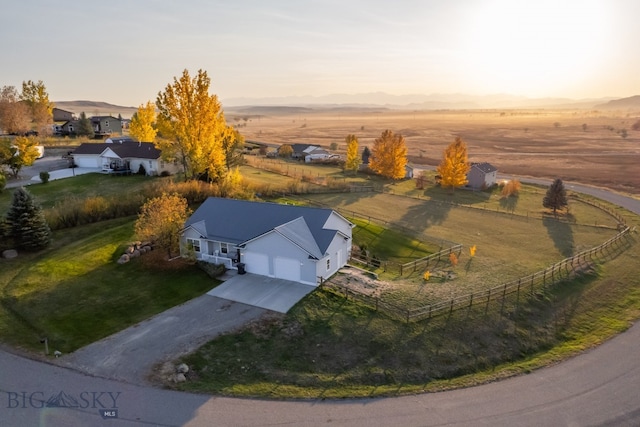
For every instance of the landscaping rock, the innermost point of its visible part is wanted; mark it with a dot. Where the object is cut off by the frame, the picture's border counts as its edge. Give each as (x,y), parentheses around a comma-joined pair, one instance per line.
(182,368)
(123,259)
(130,250)
(179,378)
(9,254)
(135,253)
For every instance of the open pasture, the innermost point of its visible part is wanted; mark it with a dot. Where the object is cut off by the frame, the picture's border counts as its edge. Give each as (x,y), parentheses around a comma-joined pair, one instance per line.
(579,145)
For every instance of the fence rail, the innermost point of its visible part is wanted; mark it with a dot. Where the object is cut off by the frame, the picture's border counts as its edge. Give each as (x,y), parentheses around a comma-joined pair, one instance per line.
(531,284)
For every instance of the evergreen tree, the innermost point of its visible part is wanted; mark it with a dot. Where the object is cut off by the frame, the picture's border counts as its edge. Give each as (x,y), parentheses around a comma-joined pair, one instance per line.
(26,222)
(556,197)
(84,126)
(366,153)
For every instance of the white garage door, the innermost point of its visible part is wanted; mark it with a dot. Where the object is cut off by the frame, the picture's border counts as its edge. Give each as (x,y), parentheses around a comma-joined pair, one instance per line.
(287,268)
(256,263)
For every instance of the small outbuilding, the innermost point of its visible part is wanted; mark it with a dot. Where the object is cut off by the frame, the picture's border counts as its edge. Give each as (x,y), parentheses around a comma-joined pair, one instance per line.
(481,175)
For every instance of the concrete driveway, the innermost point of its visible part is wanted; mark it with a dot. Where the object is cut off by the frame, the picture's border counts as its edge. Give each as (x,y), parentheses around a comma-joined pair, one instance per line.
(261,291)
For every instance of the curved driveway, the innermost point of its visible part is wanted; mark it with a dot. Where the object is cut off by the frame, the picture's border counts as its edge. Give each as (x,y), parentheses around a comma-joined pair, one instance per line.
(596,388)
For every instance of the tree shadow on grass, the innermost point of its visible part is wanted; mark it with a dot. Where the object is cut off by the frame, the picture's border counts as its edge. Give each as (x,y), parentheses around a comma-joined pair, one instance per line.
(561,233)
(509,204)
(424,215)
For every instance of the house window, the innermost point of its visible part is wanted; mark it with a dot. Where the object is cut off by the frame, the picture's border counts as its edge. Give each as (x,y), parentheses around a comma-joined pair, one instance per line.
(328,264)
(224,248)
(194,244)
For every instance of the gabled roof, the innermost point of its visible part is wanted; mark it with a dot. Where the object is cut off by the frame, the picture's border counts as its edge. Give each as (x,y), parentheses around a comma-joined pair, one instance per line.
(484,167)
(125,150)
(239,221)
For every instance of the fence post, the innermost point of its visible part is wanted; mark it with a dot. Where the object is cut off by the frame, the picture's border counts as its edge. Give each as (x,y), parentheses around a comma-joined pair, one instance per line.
(486,308)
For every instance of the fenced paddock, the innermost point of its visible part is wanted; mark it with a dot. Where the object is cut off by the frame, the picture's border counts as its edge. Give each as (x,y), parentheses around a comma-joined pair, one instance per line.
(526,286)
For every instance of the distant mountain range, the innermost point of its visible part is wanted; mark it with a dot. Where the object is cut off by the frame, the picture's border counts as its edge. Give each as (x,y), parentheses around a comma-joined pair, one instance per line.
(95,108)
(377,100)
(418,102)
(630,103)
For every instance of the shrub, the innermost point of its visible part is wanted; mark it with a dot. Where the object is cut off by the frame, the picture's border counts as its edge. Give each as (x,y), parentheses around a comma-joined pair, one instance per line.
(511,188)
(44,177)
(3,181)
(212,270)
(142,170)
(95,209)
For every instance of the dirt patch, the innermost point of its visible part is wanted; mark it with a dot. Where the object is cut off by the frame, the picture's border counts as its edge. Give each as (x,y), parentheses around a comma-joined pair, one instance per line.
(361,281)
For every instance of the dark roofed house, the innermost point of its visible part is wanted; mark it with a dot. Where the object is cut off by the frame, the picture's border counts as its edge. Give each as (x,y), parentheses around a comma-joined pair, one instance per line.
(288,242)
(481,175)
(122,155)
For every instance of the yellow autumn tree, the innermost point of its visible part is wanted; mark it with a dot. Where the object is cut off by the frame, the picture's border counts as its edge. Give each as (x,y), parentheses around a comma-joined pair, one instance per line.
(353,160)
(455,165)
(161,219)
(35,96)
(192,125)
(389,155)
(142,123)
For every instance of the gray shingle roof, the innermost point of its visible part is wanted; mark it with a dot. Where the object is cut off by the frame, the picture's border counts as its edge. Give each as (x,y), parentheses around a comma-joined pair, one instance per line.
(238,221)
(125,150)
(484,167)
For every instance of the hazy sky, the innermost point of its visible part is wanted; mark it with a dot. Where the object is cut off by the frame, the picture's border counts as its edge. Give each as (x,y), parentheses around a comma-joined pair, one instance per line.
(126,51)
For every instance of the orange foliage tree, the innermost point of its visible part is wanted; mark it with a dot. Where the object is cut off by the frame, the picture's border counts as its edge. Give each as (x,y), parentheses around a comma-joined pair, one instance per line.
(389,155)
(455,165)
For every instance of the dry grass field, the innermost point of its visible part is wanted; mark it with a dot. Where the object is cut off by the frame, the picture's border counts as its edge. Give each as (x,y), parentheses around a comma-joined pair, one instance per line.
(582,146)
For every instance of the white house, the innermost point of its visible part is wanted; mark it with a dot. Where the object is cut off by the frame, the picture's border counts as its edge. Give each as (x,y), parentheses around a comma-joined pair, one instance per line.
(117,155)
(297,243)
(481,175)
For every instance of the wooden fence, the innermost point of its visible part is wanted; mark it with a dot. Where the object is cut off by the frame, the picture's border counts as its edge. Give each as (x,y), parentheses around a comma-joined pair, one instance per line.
(528,285)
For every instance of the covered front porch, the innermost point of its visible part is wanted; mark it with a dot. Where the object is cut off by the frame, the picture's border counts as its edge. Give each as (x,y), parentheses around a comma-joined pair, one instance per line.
(215,252)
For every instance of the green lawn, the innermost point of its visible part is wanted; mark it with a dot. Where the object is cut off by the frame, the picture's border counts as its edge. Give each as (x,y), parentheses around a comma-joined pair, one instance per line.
(74,293)
(81,186)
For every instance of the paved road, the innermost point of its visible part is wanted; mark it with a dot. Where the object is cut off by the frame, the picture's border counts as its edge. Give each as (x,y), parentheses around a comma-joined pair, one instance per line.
(597,388)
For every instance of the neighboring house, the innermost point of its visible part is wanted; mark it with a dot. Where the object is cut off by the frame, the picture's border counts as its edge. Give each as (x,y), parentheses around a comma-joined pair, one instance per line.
(481,175)
(122,155)
(106,125)
(297,243)
(411,171)
(310,153)
(69,127)
(60,115)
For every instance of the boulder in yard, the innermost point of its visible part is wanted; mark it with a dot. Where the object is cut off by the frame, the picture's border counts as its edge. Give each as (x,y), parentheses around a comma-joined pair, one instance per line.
(9,254)
(123,259)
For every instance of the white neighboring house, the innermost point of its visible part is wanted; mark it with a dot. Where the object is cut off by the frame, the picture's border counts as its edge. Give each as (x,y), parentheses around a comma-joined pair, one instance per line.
(122,155)
(297,243)
(481,175)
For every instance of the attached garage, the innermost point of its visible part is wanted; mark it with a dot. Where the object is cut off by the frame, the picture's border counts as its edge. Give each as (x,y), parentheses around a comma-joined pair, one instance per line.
(287,268)
(256,263)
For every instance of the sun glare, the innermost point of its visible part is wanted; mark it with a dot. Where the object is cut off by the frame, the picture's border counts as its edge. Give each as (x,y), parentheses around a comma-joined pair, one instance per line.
(535,48)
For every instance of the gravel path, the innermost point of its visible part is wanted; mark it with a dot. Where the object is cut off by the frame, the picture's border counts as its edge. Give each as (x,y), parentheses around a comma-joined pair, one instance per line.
(130,355)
